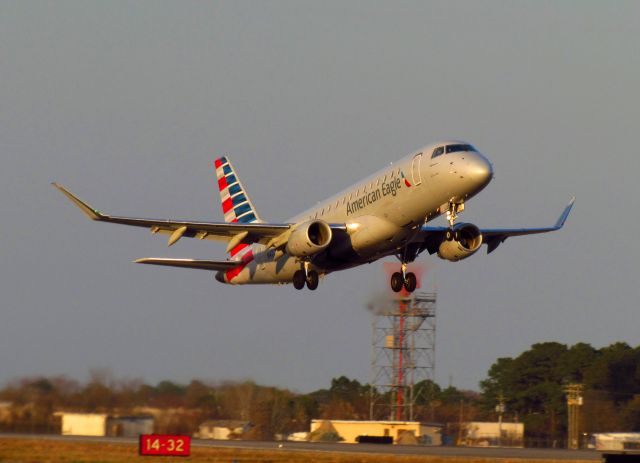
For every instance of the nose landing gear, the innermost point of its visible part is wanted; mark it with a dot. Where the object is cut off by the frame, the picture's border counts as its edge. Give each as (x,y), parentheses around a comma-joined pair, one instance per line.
(452,215)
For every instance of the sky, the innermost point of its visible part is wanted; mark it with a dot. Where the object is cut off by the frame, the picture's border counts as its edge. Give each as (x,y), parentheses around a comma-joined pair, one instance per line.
(128,104)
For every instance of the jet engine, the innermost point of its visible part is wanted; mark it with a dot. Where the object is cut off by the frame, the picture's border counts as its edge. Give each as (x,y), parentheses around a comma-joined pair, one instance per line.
(467,239)
(309,238)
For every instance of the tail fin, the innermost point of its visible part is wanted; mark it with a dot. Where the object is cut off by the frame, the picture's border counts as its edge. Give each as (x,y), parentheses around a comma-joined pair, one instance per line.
(236,205)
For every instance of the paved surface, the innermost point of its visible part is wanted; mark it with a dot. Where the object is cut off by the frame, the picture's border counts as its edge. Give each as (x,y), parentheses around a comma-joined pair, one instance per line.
(470,452)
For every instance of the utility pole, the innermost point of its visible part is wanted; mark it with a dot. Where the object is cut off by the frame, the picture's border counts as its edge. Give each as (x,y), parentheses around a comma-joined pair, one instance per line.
(500,408)
(461,417)
(574,402)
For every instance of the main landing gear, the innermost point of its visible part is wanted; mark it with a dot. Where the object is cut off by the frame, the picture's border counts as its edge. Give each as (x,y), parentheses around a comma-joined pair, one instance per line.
(404,280)
(452,215)
(310,277)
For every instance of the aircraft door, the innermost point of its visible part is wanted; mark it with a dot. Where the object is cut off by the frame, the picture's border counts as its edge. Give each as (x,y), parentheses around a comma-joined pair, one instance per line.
(415,169)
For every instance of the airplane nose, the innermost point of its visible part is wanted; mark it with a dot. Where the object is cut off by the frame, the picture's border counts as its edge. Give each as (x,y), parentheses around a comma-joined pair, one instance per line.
(480,170)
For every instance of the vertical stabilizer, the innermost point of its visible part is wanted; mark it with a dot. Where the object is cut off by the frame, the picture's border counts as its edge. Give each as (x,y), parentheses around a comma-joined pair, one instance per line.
(236,205)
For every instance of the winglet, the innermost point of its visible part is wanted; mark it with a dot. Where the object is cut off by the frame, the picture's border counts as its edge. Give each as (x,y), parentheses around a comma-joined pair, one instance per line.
(89,211)
(565,214)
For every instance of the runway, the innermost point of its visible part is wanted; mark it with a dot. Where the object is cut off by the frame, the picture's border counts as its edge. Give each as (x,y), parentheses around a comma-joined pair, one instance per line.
(468,452)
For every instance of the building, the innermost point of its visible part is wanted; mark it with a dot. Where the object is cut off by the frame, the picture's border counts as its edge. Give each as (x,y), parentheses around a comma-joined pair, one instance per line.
(397,432)
(301,436)
(129,426)
(5,412)
(223,429)
(489,434)
(83,424)
(617,441)
(101,424)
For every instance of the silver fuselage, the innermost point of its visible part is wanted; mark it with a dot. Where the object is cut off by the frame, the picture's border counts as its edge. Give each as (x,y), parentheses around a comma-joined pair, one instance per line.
(382,212)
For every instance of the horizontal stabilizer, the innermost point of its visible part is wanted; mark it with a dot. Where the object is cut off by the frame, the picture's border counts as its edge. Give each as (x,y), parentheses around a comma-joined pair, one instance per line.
(191,263)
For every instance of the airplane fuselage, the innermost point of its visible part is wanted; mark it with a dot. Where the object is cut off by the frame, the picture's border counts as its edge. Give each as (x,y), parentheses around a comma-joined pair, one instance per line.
(382,213)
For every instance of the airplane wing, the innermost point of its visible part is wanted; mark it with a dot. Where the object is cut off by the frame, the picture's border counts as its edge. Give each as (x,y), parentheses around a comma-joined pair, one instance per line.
(493,237)
(233,232)
(191,263)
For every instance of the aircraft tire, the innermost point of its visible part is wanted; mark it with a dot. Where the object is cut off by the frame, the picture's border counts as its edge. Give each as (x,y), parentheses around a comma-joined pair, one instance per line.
(410,282)
(448,235)
(312,280)
(396,282)
(299,279)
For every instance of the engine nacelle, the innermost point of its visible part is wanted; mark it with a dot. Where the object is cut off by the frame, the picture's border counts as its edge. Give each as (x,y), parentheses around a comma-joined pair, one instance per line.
(309,238)
(469,240)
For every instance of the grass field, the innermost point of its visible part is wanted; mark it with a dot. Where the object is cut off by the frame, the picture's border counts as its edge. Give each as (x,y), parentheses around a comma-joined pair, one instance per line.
(28,451)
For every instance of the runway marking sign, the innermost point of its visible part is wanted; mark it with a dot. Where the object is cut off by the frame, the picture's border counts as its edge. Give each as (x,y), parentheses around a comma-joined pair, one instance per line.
(164,445)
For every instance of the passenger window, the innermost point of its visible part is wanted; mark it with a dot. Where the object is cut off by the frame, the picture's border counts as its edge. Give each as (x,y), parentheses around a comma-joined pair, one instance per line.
(437,152)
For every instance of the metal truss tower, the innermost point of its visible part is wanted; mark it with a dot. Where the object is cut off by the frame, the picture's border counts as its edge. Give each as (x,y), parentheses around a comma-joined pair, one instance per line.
(403,331)
(574,402)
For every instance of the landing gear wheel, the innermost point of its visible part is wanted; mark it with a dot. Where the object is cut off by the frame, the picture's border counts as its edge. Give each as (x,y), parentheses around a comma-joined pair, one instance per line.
(299,279)
(397,282)
(312,280)
(410,282)
(449,235)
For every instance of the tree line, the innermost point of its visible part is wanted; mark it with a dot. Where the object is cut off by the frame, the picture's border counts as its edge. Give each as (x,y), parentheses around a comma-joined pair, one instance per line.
(531,386)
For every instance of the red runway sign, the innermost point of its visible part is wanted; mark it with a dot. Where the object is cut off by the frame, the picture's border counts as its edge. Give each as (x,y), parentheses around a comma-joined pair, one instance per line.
(165,444)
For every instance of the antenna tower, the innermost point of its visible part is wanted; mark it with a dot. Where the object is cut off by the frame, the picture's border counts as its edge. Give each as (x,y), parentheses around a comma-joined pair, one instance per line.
(403,332)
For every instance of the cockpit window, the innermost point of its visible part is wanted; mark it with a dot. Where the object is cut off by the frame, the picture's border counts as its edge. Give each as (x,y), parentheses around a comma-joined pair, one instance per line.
(437,152)
(456,148)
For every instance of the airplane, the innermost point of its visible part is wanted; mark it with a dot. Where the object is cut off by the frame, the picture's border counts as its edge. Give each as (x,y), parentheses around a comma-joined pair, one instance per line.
(386,214)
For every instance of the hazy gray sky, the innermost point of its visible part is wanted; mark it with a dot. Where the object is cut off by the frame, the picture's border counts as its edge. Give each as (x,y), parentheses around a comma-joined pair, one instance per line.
(128,103)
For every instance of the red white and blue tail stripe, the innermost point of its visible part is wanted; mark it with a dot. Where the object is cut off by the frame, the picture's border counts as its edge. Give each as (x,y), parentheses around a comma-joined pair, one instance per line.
(236,207)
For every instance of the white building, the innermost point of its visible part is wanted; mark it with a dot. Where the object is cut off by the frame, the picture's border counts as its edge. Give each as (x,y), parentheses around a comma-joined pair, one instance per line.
(398,432)
(101,424)
(618,441)
(223,429)
(84,424)
(489,434)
